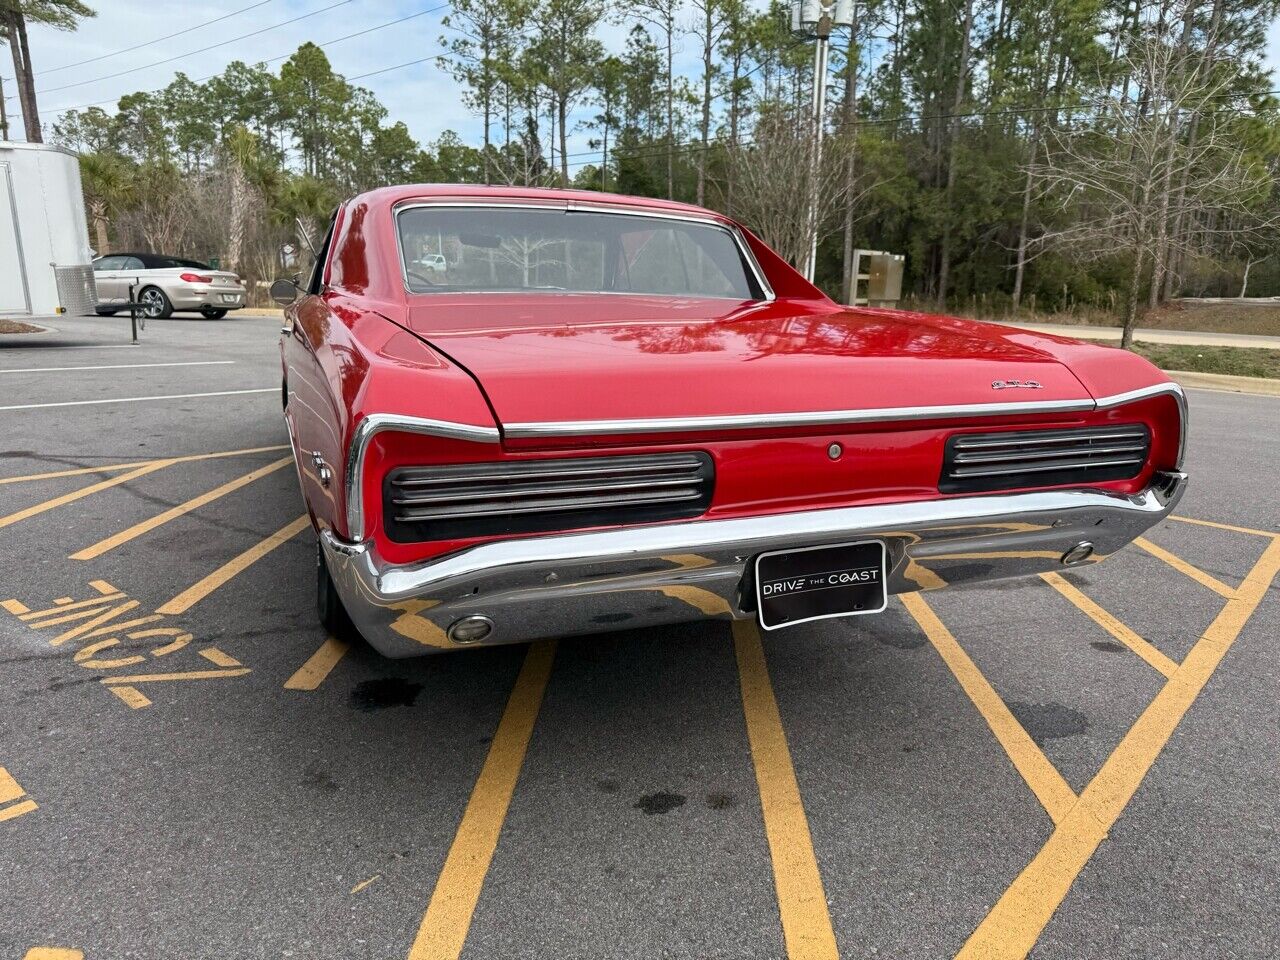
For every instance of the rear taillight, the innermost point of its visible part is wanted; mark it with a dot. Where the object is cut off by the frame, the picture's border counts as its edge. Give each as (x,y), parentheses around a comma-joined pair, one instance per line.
(195,278)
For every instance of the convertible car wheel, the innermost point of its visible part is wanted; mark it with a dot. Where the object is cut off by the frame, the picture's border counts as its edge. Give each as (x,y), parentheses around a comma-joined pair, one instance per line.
(155,304)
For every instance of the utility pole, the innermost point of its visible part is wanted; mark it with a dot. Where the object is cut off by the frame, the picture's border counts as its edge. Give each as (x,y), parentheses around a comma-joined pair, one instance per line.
(817,20)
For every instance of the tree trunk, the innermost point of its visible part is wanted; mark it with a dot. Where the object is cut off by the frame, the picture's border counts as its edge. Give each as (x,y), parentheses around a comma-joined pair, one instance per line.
(1131,298)
(1244,284)
(944,253)
(98,214)
(849,287)
(671,135)
(17,31)
(1021,268)
(707,53)
(562,112)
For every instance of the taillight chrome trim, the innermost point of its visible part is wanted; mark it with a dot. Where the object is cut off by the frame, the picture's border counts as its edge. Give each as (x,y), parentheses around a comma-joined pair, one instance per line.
(520,497)
(376,423)
(989,462)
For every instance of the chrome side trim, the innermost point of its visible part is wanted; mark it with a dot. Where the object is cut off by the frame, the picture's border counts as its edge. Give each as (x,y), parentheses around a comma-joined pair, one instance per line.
(377,423)
(575,206)
(570,428)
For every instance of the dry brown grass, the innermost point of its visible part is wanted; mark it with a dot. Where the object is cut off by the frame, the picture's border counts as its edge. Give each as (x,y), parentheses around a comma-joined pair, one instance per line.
(14,326)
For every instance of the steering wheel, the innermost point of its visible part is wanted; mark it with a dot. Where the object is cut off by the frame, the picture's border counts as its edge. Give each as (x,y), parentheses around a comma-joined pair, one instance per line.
(419,277)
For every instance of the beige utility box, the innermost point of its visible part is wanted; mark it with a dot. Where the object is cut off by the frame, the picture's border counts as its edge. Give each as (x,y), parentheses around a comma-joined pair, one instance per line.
(878,278)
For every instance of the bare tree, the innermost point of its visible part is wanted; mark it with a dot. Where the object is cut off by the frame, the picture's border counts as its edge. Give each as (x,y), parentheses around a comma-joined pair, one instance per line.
(1113,175)
(777,176)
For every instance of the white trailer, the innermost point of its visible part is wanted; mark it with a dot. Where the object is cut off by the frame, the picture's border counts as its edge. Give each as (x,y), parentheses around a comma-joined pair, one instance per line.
(45,259)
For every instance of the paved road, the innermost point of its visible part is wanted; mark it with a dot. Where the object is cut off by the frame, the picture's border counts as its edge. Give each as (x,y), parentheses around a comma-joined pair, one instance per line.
(1077,769)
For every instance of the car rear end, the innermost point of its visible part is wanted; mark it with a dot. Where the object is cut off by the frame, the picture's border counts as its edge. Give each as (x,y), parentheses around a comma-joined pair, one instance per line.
(505,539)
(205,290)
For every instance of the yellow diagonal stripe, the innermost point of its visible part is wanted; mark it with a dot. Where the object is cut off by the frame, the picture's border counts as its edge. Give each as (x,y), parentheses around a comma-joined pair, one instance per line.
(138,529)
(206,585)
(93,488)
(1015,923)
(802,900)
(1186,569)
(1049,786)
(312,673)
(1112,625)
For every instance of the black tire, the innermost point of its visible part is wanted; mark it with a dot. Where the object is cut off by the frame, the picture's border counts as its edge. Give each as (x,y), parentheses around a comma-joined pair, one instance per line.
(333,615)
(105,312)
(212,313)
(157,304)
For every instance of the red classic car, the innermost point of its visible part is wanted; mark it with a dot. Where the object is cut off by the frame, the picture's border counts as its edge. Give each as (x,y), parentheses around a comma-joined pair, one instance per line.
(527,413)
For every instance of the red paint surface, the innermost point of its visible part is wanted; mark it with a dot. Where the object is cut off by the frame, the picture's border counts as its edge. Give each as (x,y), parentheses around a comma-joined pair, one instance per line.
(366,346)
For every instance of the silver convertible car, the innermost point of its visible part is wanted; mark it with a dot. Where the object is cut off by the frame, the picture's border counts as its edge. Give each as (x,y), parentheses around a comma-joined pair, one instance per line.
(165,284)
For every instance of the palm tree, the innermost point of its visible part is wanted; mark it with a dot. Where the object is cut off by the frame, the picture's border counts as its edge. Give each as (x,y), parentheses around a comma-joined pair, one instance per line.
(108,185)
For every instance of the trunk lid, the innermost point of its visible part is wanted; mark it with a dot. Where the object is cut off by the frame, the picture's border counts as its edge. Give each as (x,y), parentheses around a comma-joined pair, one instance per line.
(571,358)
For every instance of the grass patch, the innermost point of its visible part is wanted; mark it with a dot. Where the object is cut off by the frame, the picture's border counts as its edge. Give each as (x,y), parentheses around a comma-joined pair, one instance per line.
(13,326)
(1237,361)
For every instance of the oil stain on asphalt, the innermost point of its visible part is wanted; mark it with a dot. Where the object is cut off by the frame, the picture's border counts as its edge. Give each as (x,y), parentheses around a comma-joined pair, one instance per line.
(660,802)
(1049,721)
(385,692)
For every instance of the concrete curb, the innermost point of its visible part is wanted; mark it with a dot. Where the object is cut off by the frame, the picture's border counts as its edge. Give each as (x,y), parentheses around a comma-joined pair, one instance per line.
(1258,386)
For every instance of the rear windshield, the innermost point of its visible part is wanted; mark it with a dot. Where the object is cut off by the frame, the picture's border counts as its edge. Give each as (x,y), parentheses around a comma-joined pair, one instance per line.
(453,249)
(160,263)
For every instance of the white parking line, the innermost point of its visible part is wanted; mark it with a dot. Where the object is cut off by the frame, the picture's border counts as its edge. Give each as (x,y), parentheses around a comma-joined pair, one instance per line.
(123,366)
(171,396)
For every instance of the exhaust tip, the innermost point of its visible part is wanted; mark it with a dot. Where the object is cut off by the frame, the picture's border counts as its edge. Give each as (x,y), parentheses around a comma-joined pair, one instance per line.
(470,629)
(1078,554)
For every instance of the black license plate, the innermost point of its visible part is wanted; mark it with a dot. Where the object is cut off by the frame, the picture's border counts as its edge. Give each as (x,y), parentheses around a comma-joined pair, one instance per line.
(814,583)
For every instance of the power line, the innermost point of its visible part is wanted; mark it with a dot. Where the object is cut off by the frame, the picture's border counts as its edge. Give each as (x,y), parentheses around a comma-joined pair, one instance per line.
(191,53)
(147,43)
(285,56)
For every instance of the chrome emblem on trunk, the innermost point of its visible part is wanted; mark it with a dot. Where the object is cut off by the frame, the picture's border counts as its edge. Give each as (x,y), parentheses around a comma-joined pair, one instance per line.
(1010,384)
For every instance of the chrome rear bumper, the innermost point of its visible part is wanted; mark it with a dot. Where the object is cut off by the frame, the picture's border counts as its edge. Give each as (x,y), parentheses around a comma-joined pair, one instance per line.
(581,583)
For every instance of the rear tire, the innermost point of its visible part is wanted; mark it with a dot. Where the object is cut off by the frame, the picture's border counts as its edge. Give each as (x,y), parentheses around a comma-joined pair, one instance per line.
(212,313)
(156,305)
(333,615)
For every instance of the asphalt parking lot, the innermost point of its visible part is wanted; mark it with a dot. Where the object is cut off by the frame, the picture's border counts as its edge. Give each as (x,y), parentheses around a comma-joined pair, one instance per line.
(1078,767)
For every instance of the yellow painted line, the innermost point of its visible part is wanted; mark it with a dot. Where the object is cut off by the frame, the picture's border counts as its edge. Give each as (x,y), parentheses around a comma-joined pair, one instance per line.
(111,467)
(162,677)
(18,809)
(134,698)
(102,586)
(53,953)
(802,901)
(9,789)
(58,607)
(138,529)
(9,792)
(16,607)
(74,495)
(1049,786)
(1225,526)
(202,588)
(1195,573)
(216,656)
(1143,648)
(1015,923)
(453,902)
(318,666)
(87,609)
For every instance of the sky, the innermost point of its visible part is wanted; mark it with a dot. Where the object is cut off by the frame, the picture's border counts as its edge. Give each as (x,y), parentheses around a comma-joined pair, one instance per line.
(423,95)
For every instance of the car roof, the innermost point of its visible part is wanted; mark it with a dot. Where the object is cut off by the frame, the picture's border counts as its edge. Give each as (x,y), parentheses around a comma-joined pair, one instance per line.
(151,260)
(471,191)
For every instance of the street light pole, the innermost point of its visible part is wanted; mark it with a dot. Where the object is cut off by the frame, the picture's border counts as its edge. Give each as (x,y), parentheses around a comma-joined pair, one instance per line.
(817,19)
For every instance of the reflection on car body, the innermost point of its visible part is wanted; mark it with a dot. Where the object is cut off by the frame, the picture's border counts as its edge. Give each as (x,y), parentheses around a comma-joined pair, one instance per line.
(607,411)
